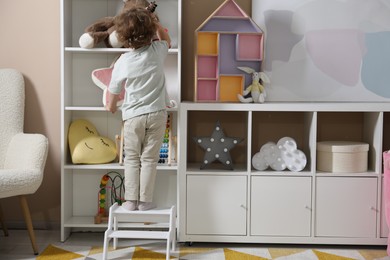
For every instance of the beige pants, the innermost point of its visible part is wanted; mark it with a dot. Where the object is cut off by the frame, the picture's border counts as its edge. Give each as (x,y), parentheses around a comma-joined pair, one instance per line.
(143,136)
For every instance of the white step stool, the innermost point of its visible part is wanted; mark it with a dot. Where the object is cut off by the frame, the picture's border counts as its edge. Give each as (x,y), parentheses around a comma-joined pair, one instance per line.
(165,217)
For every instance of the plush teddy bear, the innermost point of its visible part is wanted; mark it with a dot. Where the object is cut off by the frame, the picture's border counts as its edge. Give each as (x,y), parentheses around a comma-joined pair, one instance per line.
(103,30)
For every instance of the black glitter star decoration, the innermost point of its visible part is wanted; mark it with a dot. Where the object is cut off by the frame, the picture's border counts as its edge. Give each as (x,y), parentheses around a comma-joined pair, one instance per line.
(217,147)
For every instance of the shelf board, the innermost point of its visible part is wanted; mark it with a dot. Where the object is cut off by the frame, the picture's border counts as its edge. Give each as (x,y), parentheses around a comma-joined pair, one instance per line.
(200,78)
(249,59)
(194,168)
(112,166)
(108,50)
(82,108)
(71,108)
(208,55)
(231,17)
(333,174)
(281,173)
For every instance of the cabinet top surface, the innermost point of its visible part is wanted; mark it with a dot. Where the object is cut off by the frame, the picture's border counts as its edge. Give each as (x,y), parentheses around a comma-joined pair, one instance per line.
(291,106)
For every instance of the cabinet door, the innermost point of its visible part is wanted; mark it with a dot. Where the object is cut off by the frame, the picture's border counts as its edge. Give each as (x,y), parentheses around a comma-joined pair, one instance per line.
(280,206)
(216,205)
(346,206)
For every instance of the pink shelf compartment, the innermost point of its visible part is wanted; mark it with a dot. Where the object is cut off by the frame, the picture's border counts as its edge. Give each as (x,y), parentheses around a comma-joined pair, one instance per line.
(249,47)
(206,90)
(207,66)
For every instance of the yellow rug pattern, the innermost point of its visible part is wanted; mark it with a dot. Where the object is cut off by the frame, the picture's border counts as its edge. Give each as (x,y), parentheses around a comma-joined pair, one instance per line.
(184,252)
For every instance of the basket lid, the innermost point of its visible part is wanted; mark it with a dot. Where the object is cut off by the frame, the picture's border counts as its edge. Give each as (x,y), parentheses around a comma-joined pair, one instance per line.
(342,146)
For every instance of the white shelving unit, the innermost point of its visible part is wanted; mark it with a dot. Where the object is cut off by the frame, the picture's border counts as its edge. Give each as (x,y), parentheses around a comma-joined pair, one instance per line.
(217,205)
(311,207)
(82,99)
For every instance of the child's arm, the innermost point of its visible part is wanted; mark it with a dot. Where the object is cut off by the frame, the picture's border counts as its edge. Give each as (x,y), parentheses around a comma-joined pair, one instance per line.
(162,34)
(112,100)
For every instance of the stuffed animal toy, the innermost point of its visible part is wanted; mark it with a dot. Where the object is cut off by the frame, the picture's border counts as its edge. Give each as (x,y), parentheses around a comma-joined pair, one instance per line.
(102,77)
(256,89)
(103,30)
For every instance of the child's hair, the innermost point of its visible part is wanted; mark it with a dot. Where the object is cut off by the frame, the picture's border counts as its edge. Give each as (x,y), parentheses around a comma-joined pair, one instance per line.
(136,27)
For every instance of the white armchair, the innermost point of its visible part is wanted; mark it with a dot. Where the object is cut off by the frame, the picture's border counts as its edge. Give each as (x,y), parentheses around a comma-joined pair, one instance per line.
(22,156)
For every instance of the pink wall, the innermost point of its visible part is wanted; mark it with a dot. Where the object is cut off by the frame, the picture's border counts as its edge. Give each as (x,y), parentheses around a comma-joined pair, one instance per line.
(30,43)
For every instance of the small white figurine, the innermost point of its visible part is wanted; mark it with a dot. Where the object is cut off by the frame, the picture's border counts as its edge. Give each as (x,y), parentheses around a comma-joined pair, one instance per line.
(256,89)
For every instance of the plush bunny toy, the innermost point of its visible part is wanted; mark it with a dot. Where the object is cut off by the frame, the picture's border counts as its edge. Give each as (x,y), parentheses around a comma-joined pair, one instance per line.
(103,30)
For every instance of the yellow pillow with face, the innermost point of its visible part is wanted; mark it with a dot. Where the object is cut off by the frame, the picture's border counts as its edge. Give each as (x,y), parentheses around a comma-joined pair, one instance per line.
(94,149)
(87,146)
(78,130)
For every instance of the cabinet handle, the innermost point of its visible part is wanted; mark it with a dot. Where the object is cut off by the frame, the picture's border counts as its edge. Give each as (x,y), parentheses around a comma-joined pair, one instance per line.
(243,206)
(307,207)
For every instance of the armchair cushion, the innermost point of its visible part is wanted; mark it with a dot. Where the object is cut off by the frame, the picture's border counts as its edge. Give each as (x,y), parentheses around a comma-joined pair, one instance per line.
(26,151)
(15,182)
(24,165)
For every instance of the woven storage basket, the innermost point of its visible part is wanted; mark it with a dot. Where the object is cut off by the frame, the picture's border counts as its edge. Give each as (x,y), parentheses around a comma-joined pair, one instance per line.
(342,157)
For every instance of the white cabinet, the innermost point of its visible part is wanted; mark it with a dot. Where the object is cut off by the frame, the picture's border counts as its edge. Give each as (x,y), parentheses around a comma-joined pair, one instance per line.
(216,205)
(346,207)
(80,98)
(309,206)
(280,206)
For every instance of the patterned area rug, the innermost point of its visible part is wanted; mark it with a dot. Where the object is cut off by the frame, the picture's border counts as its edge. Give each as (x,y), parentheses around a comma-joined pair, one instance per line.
(185,252)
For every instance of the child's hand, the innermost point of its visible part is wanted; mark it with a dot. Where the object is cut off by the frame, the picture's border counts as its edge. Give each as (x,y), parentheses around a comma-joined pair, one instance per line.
(110,108)
(162,34)
(172,104)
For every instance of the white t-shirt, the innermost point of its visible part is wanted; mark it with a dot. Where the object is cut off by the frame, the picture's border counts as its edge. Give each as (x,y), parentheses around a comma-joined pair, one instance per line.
(142,72)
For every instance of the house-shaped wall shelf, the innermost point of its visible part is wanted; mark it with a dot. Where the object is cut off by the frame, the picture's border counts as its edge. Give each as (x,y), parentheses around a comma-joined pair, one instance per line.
(228,39)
